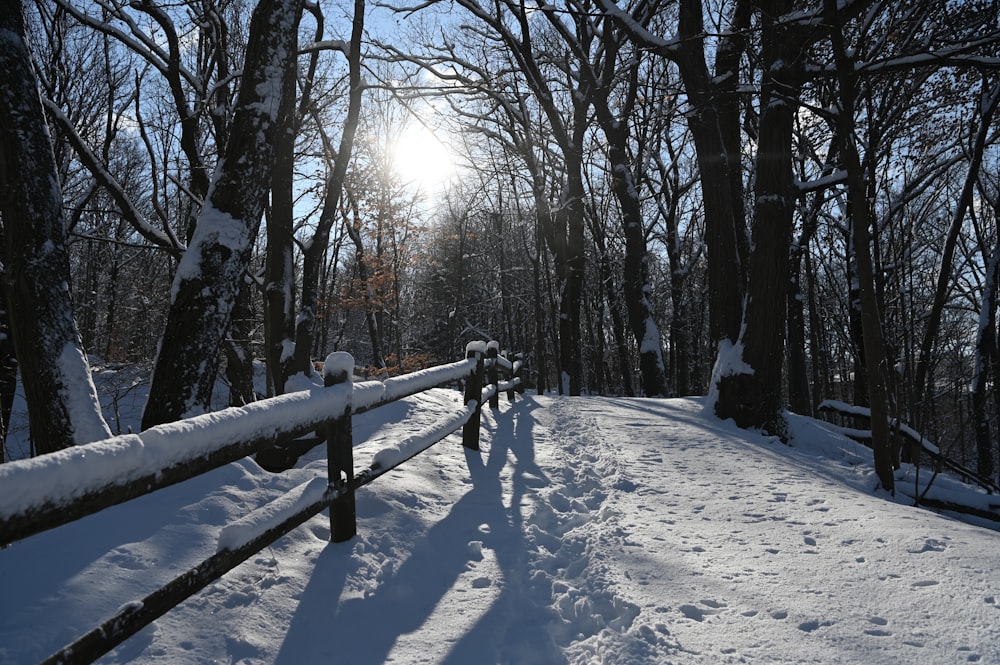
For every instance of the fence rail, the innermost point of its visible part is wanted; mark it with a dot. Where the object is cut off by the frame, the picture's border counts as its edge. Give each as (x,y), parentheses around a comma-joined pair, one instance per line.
(48,491)
(916,442)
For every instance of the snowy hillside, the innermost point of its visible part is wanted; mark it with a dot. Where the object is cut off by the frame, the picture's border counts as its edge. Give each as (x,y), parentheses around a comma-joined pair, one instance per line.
(588,530)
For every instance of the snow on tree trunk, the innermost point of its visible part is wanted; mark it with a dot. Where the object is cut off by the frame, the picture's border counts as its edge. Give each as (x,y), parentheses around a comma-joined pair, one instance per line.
(209,276)
(636,272)
(985,367)
(279,262)
(62,402)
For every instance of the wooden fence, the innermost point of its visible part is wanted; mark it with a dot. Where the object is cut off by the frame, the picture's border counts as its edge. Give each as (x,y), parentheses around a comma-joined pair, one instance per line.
(48,491)
(917,449)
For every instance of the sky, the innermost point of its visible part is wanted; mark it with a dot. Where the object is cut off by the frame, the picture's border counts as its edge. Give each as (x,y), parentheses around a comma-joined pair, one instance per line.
(587,530)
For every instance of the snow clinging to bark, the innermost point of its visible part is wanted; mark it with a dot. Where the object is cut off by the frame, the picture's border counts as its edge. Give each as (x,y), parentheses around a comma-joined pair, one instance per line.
(728,362)
(215,227)
(80,396)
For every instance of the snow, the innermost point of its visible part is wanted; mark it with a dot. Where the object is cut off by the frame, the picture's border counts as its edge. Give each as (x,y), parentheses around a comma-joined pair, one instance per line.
(416,442)
(728,362)
(399,386)
(651,335)
(80,396)
(242,531)
(60,477)
(865,412)
(588,530)
(338,367)
(214,227)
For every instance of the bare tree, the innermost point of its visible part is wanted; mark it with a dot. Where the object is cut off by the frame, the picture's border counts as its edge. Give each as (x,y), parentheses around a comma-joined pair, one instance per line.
(209,276)
(339,158)
(62,402)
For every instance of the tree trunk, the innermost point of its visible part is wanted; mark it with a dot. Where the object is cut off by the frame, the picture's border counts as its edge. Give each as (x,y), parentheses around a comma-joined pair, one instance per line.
(617,324)
(985,366)
(312,256)
(571,287)
(365,282)
(726,271)
(8,363)
(636,276)
(63,409)
(239,358)
(799,398)
(752,394)
(539,309)
(279,260)
(211,271)
(871,323)
(818,348)
(988,107)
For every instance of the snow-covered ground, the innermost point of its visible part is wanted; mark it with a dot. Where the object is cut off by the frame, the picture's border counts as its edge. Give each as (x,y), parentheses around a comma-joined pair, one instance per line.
(587,530)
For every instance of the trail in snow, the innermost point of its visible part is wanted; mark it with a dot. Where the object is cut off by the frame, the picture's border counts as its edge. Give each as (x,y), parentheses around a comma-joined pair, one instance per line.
(589,530)
(685,541)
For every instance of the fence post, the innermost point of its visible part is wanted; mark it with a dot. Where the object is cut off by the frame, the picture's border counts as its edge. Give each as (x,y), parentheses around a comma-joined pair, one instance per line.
(474,392)
(492,351)
(337,370)
(509,357)
(518,365)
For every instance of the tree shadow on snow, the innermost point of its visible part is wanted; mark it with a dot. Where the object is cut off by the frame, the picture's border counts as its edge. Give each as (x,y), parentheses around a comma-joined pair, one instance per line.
(516,627)
(363,631)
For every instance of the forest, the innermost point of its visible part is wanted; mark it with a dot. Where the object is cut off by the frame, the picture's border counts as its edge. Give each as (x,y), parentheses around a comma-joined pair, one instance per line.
(772,203)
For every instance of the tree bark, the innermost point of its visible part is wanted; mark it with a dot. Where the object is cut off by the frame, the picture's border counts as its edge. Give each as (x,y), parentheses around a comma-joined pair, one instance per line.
(985,366)
(723,226)
(63,409)
(209,276)
(279,259)
(597,232)
(365,280)
(871,322)
(237,349)
(753,398)
(8,362)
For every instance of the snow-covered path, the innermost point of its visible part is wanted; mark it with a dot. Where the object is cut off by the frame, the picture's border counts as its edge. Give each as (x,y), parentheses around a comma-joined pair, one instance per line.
(588,530)
(708,545)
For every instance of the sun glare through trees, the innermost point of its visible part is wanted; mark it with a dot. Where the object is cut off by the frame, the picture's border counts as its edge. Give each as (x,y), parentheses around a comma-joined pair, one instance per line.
(422,160)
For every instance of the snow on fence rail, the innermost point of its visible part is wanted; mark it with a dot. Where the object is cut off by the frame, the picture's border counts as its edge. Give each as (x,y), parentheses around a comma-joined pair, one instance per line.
(51,490)
(917,443)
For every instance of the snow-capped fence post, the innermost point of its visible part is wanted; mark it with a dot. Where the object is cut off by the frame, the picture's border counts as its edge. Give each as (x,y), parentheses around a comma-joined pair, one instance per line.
(474,393)
(339,369)
(492,351)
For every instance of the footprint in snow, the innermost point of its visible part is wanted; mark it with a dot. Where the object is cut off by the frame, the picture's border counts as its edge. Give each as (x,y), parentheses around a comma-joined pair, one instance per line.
(878,632)
(930,545)
(810,626)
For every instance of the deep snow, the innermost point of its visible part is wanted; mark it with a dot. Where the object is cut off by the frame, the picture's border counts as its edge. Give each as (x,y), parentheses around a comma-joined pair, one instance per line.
(588,530)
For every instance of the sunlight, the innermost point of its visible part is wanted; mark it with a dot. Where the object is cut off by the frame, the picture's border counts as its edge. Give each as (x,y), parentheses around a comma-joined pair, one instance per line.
(422,160)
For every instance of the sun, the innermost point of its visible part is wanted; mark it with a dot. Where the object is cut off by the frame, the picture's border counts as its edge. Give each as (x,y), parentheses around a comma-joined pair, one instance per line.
(421,160)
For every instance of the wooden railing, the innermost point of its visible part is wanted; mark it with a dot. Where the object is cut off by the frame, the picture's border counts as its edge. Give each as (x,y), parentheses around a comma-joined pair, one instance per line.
(51,490)
(917,448)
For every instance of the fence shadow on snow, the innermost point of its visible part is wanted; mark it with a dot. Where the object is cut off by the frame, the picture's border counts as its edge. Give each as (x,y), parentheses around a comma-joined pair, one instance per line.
(45,492)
